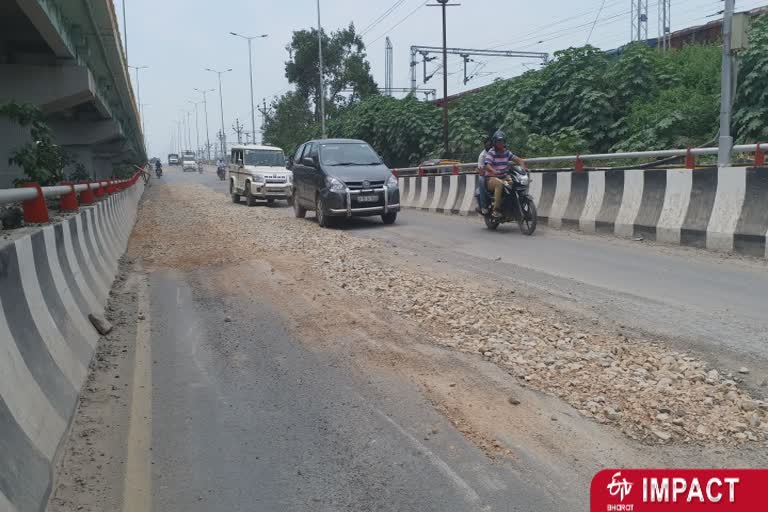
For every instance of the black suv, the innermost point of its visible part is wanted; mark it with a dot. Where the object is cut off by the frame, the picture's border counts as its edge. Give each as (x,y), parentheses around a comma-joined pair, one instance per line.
(342,178)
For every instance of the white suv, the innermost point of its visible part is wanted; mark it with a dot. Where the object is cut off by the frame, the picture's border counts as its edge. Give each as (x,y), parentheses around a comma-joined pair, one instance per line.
(259,173)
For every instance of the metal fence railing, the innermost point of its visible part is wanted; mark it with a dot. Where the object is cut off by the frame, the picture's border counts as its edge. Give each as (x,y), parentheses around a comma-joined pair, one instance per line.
(577,162)
(71,195)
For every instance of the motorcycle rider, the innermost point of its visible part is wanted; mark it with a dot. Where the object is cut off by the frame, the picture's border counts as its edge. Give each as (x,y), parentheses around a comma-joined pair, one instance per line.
(158,168)
(480,191)
(497,163)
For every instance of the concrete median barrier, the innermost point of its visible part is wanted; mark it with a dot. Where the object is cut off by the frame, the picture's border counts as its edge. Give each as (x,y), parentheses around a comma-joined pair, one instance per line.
(51,279)
(718,209)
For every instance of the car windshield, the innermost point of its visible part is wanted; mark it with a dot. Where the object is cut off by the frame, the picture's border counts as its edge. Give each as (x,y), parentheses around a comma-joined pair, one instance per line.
(348,154)
(264,158)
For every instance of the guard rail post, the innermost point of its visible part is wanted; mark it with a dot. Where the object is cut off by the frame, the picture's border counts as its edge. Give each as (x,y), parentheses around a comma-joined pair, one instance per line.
(68,202)
(690,160)
(759,156)
(579,164)
(35,210)
(87,196)
(99,192)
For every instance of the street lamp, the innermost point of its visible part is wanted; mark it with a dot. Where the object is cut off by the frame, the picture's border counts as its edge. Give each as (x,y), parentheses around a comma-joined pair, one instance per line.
(250,70)
(221,107)
(205,108)
(138,92)
(322,78)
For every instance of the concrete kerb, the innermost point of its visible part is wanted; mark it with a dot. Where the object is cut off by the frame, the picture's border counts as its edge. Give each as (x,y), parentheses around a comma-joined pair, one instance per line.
(719,209)
(50,280)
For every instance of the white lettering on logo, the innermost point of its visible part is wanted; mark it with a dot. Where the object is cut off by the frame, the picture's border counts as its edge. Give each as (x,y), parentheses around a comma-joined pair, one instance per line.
(731,488)
(714,498)
(619,488)
(659,490)
(695,491)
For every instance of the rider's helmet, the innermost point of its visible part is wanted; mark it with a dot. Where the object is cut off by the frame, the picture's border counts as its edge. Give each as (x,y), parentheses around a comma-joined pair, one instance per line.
(499,136)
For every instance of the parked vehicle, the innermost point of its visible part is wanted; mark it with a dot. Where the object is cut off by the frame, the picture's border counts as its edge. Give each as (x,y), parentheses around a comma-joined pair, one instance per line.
(258,173)
(517,203)
(173,159)
(343,178)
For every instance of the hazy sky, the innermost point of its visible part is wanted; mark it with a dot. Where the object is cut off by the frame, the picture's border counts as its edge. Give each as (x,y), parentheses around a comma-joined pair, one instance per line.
(178,39)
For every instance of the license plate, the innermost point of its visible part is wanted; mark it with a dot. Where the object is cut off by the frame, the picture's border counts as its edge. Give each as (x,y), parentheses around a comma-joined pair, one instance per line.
(367,199)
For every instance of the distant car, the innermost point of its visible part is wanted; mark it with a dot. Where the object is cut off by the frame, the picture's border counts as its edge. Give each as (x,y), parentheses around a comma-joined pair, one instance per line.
(343,178)
(173,159)
(259,173)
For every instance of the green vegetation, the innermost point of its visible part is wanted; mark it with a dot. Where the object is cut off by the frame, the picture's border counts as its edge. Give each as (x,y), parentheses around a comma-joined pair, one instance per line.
(41,160)
(584,101)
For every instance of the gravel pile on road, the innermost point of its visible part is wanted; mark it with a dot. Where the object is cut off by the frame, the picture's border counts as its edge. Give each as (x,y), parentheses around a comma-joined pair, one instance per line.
(648,391)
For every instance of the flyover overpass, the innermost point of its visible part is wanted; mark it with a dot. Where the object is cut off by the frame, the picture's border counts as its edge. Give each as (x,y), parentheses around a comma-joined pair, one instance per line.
(66,57)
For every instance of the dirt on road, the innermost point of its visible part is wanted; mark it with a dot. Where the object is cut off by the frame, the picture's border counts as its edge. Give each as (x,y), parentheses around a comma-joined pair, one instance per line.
(647,391)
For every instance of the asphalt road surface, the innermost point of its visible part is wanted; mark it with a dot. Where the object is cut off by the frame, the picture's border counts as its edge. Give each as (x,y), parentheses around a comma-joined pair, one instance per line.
(245,416)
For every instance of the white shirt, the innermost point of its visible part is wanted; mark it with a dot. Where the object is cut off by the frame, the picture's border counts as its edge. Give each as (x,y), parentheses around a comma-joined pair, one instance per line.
(481,161)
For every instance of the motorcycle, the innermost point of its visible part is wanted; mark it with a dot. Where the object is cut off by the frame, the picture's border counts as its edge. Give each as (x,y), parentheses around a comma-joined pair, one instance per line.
(159,172)
(517,204)
(221,172)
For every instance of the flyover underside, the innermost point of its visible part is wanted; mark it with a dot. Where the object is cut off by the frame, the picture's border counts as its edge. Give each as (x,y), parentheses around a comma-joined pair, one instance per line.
(51,57)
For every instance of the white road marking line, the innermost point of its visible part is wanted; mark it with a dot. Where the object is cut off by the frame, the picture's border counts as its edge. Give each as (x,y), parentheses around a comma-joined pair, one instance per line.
(469,494)
(137,493)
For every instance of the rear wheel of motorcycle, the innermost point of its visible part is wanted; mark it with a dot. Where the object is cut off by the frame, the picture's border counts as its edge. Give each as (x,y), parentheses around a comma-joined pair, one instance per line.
(530,218)
(491,222)
(235,196)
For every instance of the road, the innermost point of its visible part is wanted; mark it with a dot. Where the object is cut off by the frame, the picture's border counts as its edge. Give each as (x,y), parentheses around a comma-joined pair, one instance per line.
(703,302)
(270,391)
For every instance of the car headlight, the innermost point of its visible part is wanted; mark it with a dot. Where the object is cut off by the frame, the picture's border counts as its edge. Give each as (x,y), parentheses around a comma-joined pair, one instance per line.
(335,184)
(392,182)
(289,179)
(258,179)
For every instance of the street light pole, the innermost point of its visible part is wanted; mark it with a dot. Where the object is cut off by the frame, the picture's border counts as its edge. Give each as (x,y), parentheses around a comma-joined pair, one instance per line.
(726,88)
(138,91)
(197,128)
(322,71)
(444,4)
(250,73)
(207,131)
(143,129)
(221,107)
(189,130)
(125,29)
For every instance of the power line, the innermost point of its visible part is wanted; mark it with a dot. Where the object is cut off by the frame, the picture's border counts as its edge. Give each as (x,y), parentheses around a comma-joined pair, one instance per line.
(393,27)
(595,23)
(381,18)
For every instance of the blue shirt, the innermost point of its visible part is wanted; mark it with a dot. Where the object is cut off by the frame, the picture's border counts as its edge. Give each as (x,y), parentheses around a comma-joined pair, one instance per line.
(499,160)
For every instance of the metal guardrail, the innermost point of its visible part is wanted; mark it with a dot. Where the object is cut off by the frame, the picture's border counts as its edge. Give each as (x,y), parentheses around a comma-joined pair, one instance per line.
(32,196)
(690,154)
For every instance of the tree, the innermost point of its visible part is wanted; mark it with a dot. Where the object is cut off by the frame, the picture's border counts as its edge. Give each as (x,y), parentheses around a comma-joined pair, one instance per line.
(751,113)
(344,68)
(289,121)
